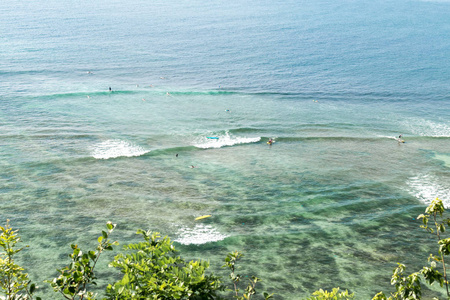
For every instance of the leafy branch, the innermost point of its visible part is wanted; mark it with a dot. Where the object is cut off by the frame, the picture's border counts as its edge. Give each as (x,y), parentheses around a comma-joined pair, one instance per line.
(73,279)
(230,262)
(409,287)
(13,281)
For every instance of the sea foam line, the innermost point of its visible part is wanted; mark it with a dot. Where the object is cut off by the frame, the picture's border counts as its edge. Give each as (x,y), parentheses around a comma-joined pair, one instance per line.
(426,188)
(200,234)
(116,148)
(423,127)
(223,141)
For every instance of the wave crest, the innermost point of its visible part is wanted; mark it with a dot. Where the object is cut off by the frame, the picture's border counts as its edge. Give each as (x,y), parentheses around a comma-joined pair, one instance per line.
(428,128)
(426,188)
(223,141)
(116,148)
(200,234)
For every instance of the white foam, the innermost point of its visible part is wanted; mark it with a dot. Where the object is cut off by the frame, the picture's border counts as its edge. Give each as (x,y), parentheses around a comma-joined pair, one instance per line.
(200,234)
(424,127)
(223,141)
(389,137)
(116,148)
(426,188)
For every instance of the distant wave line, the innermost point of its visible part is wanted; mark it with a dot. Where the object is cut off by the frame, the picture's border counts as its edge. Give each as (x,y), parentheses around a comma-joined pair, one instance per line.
(85,94)
(319,95)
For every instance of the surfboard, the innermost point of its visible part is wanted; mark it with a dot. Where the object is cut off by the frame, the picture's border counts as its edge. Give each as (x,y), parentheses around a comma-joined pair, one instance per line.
(203,217)
(212,137)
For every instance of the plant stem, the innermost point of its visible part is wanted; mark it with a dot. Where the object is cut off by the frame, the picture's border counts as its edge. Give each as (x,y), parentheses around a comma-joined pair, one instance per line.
(9,272)
(442,256)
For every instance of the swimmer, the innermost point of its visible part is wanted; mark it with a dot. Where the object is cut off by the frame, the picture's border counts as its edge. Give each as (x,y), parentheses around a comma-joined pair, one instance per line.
(176,155)
(110,89)
(192,167)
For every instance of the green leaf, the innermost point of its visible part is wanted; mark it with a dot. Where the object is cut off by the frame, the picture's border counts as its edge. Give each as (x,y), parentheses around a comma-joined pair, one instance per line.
(109,225)
(125,280)
(121,290)
(32,288)
(92,255)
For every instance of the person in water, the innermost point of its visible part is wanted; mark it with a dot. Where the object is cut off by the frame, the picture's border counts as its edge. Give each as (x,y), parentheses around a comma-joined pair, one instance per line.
(270,142)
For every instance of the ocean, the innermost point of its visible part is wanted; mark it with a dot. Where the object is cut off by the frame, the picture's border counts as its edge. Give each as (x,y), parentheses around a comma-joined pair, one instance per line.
(107,106)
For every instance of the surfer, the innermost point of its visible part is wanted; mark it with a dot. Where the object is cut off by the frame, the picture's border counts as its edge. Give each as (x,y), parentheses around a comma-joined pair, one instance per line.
(270,142)
(110,89)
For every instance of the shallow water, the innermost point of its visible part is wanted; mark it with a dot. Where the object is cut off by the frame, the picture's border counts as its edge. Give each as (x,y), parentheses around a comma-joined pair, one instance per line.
(331,203)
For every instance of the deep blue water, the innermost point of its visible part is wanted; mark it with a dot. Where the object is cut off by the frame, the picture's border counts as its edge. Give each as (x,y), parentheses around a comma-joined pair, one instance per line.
(331,203)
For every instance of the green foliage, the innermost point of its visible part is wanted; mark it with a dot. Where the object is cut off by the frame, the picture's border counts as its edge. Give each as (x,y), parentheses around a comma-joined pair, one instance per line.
(153,271)
(74,279)
(409,287)
(14,282)
(230,263)
(333,295)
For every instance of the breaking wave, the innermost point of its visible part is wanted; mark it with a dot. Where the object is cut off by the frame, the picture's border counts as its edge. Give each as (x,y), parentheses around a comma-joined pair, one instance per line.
(426,188)
(223,141)
(200,234)
(422,127)
(116,148)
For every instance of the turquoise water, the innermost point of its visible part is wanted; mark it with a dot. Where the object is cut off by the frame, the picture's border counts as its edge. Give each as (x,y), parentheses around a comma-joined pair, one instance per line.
(331,203)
